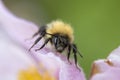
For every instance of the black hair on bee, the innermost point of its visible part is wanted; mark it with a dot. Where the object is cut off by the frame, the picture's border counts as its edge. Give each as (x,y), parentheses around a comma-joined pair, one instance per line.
(60,35)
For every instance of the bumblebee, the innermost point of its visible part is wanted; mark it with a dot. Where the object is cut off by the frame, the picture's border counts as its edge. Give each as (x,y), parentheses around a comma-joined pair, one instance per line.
(60,35)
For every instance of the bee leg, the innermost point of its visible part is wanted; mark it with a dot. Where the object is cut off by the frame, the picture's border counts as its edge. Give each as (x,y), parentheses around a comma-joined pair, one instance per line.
(46,41)
(32,36)
(74,52)
(75,56)
(42,33)
(68,55)
(35,34)
(75,48)
(36,41)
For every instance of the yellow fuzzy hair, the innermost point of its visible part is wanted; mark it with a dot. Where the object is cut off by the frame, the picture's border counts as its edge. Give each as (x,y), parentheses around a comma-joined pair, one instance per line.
(62,28)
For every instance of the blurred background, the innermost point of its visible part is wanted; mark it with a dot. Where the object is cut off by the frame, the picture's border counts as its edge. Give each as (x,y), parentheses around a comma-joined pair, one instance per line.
(96,23)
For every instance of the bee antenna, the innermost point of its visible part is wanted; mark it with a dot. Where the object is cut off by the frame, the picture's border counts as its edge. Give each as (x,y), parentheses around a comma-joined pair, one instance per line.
(49,34)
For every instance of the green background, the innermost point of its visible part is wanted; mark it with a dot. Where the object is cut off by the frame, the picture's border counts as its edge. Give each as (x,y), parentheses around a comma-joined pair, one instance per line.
(96,23)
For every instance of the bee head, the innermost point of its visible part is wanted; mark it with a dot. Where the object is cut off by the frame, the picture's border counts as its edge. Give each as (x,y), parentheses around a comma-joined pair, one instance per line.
(60,42)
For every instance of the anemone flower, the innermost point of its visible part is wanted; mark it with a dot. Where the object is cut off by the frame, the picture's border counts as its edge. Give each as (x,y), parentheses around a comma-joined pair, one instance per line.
(17,63)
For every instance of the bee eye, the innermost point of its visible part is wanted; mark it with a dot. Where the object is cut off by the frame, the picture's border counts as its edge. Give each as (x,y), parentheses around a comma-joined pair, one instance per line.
(55,40)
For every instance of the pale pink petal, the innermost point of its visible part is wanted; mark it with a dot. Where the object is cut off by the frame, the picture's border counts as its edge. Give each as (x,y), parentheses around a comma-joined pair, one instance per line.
(18,30)
(111,74)
(107,69)
(69,72)
(12,58)
(114,57)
